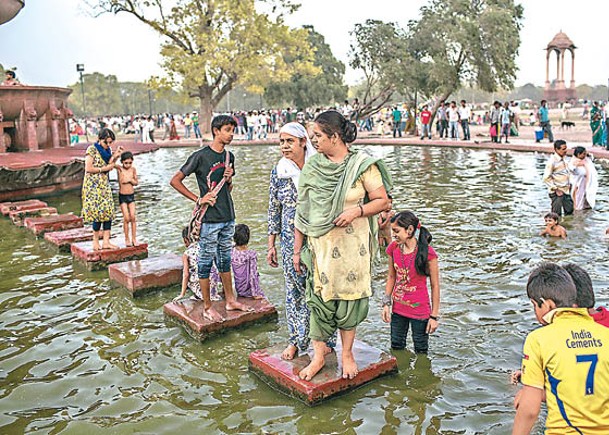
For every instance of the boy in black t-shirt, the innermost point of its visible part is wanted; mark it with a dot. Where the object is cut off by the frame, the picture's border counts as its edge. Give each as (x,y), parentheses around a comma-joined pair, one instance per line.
(209,166)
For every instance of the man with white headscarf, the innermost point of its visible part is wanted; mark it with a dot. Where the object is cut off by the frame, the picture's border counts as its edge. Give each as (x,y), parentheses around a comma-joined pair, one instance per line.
(296,148)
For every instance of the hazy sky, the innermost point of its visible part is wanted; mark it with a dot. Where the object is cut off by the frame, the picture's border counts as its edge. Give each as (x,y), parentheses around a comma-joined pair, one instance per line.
(49,37)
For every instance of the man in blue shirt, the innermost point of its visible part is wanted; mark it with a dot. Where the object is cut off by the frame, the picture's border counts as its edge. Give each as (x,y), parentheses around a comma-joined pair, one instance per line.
(544,120)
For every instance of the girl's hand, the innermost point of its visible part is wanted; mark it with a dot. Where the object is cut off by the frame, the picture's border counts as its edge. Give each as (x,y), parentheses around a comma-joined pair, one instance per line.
(177,298)
(271,257)
(386,314)
(432,325)
(347,217)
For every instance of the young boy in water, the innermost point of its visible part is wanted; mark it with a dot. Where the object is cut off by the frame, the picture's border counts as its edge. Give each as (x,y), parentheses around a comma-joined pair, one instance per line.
(553,228)
(127,180)
(567,360)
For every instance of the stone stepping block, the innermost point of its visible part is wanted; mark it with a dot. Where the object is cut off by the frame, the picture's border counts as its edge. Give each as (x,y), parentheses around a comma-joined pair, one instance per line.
(189,314)
(59,222)
(140,276)
(7,207)
(63,239)
(18,216)
(282,375)
(97,260)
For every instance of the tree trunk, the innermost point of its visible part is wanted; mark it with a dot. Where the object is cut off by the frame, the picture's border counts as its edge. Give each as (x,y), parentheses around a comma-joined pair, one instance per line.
(206,110)
(444,96)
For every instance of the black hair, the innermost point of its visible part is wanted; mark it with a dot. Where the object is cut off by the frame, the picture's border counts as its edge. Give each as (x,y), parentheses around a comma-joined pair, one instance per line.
(220,121)
(577,151)
(390,196)
(583,285)
(185,232)
(106,133)
(10,73)
(406,219)
(242,235)
(552,215)
(543,101)
(127,155)
(558,143)
(550,281)
(332,122)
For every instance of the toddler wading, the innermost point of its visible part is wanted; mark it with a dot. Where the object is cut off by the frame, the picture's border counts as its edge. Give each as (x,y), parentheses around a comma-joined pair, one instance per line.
(406,299)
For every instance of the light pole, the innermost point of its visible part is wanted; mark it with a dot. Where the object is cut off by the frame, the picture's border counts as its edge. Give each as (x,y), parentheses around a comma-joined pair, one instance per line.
(80,67)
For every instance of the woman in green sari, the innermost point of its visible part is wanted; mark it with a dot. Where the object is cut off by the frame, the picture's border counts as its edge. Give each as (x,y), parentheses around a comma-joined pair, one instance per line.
(340,192)
(596,124)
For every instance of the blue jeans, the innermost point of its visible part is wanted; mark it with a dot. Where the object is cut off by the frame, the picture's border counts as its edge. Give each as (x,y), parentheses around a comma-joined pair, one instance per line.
(454,130)
(216,245)
(425,130)
(465,127)
(197,130)
(187,132)
(399,333)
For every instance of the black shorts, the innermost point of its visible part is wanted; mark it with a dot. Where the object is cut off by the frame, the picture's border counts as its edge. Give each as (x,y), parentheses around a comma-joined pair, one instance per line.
(126,199)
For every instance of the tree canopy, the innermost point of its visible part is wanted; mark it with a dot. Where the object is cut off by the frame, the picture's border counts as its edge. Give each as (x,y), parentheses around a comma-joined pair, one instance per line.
(305,89)
(212,45)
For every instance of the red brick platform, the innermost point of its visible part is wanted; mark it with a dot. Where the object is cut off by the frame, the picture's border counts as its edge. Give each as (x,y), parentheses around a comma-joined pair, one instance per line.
(18,216)
(63,239)
(283,375)
(7,207)
(97,260)
(44,224)
(140,276)
(189,313)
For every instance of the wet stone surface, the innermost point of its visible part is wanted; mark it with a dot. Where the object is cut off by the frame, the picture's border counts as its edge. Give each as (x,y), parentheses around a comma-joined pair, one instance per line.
(44,224)
(18,216)
(140,276)
(64,239)
(97,260)
(189,314)
(372,363)
(7,207)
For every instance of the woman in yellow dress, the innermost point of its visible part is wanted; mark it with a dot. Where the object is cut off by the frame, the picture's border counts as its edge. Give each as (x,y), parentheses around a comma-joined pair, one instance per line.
(340,192)
(97,201)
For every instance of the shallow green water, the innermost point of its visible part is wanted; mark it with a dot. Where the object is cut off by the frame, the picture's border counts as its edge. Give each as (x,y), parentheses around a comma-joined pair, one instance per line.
(79,356)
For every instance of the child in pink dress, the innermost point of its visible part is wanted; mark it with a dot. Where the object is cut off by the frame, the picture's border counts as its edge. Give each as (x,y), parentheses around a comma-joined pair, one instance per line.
(244,264)
(411,261)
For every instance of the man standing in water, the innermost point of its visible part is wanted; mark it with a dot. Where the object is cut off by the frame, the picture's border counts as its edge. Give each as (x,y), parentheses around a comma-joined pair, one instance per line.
(556,177)
(218,226)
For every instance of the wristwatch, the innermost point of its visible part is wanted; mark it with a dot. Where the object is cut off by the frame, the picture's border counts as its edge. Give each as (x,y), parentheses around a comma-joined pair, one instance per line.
(386,300)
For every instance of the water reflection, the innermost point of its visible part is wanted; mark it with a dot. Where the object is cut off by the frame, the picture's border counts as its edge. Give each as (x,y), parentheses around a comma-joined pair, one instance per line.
(78,355)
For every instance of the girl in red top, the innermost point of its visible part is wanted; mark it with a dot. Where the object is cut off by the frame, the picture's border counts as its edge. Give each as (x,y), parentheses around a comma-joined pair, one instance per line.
(411,261)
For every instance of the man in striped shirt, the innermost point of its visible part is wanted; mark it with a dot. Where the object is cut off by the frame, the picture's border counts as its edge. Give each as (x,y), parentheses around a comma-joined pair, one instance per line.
(556,177)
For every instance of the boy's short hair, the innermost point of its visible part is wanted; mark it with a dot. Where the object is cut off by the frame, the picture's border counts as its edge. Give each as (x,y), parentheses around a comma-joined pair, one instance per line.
(583,285)
(550,281)
(242,235)
(127,155)
(220,121)
(558,143)
(10,73)
(553,216)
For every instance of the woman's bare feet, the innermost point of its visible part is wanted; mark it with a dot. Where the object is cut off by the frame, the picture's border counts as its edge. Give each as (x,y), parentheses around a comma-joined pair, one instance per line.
(313,368)
(237,306)
(349,366)
(289,352)
(134,242)
(212,315)
(96,246)
(109,246)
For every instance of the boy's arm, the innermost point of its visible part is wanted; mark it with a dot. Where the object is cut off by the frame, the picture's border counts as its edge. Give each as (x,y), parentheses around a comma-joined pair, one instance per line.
(134,181)
(563,232)
(528,410)
(434,278)
(177,183)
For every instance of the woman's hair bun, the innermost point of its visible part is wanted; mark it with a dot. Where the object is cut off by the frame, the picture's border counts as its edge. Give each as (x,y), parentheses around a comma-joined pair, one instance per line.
(349,132)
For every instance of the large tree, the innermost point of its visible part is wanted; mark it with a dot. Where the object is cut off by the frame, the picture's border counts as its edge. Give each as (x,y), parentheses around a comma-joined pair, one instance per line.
(473,41)
(308,89)
(212,45)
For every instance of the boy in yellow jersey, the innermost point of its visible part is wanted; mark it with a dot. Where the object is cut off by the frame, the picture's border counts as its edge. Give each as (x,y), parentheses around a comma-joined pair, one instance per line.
(568,358)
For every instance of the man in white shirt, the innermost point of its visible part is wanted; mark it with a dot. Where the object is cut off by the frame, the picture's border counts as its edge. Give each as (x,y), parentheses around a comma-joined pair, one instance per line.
(453,120)
(465,115)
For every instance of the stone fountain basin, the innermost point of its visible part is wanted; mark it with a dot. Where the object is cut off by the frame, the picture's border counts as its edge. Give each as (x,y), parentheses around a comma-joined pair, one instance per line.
(12,99)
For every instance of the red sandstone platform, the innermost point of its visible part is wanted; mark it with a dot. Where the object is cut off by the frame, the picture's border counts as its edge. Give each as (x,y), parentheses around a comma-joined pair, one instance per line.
(189,313)
(18,216)
(372,363)
(44,224)
(96,260)
(140,276)
(64,239)
(7,207)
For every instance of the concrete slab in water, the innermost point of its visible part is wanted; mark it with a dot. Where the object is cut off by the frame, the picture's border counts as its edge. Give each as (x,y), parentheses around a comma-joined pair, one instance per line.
(139,276)
(44,224)
(7,207)
(96,260)
(18,216)
(189,313)
(63,239)
(283,375)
